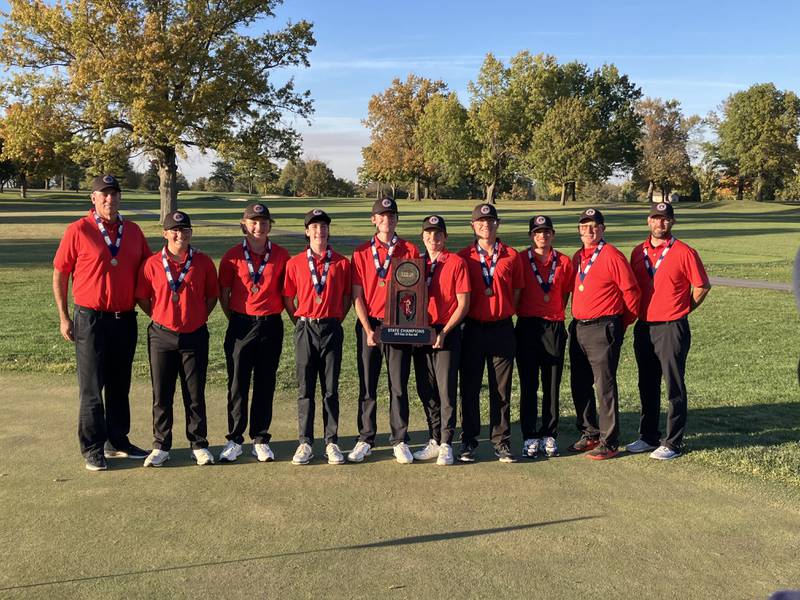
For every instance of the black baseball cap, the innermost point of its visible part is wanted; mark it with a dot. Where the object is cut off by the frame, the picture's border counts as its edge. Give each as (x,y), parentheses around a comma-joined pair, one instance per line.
(317,215)
(592,214)
(384,205)
(484,211)
(662,209)
(258,210)
(105,182)
(434,222)
(540,222)
(177,220)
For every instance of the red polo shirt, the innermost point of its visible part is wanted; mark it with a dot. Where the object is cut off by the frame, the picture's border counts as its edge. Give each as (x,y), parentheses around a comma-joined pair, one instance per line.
(667,297)
(298,283)
(610,287)
(450,278)
(365,275)
(190,312)
(96,283)
(233,274)
(508,276)
(531,301)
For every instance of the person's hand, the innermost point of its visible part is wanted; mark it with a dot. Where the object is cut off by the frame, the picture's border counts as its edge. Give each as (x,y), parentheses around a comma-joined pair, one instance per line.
(66,329)
(438,344)
(374,337)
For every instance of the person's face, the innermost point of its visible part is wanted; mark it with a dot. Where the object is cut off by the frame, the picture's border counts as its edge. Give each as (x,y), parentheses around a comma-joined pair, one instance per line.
(591,233)
(542,239)
(434,240)
(660,227)
(385,222)
(178,240)
(257,229)
(106,203)
(317,233)
(485,229)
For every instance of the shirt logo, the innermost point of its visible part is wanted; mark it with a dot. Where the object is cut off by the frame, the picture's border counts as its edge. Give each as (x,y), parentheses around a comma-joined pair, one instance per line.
(661,206)
(316,212)
(386,203)
(590,212)
(108,179)
(178,217)
(539,220)
(433,220)
(258,208)
(485,209)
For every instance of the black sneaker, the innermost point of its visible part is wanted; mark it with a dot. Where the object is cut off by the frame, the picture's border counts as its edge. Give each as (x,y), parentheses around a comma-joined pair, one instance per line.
(96,462)
(584,444)
(467,454)
(503,454)
(130,451)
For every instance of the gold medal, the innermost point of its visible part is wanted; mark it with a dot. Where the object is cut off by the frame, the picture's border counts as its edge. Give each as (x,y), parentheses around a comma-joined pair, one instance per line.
(489,292)
(580,288)
(255,289)
(381,283)
(114,262)
(175,297)
(547,298)
(318,299)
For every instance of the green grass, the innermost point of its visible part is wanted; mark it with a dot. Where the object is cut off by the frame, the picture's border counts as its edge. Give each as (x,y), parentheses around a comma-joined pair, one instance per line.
(724,517)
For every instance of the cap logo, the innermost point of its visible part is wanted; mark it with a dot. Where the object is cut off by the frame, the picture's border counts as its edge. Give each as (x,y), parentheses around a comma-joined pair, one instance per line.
(386,203)
(258,208)
(433,220)
(539,220)
(108,179)
(316,212)
(485,209)
(590,212)
(178,217)
(661,206)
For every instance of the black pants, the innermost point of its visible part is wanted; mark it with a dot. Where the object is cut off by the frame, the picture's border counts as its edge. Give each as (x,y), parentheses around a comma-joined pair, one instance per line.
(104,349)
(178,355)
(437,377)
(661,350)
(398,370)
(540,348)
(594,350)
(492,346)
(252,349)
(318,353)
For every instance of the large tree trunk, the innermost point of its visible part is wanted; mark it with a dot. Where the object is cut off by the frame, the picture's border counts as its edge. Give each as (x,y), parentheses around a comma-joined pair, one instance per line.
(167,180)
(377,190)
(63,182)
(651,187)
(740,188)
(759,188)
(490,192)
(416,190)
(394,190)
(573,190)
(23,185)
(564,193)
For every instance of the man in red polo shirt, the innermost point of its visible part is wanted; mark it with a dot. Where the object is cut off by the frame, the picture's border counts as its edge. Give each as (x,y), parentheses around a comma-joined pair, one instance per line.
(251,296)
(605,300)
(316,293)
(436,365)
(371,271)
(673,283)
(541,335)
(496,279)
(177,287)
(102,253)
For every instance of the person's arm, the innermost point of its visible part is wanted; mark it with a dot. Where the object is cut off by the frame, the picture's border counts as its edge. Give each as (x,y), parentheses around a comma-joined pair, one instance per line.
(224,301)
(345,306)
(291,305)
(517,294)
(360,306)
(455,319)
(211,302)
(60,289)
(146,305)
(698,295)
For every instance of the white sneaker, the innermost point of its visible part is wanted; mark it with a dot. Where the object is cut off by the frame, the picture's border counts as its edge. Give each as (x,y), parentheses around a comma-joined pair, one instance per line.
(402,454)
(156,458)
(445,455)
(303,454)
(664,453)
(263,453)
(334,454)
(203,456)
(230,452)
(431,450)
(360,452)
(530,448)
(639,446)
(550,447)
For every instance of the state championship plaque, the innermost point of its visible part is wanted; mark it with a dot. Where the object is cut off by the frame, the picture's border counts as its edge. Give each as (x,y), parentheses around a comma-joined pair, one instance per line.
(406,318)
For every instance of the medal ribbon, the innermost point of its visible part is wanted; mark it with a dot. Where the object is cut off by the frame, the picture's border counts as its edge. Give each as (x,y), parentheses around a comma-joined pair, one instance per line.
(429,278)
(113,248)
(175,285)
(582,273)
(319,283)
(255,276)
(381,270)
(486,271)
(545,286)
(650,268)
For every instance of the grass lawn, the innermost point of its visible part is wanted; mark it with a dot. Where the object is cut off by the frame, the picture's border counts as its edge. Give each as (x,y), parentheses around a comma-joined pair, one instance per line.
(720,522)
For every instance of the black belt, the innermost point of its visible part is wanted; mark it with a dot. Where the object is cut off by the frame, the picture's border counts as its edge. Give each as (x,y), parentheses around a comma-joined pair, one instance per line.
(100,314)
(167,329)
(499,323)
(606,319)
(256,317)
(323,321)
(663,322)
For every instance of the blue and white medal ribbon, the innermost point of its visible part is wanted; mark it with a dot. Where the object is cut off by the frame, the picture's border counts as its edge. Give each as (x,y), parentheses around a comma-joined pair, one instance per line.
(176,285)
(319,282)
(582,273)
(113,248)
(255,276)
(429,278)
(549,283)
(650,268)
(381,270)
(488,271)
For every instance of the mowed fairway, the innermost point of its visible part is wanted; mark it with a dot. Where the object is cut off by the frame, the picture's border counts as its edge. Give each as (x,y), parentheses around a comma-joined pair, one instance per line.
(722,521)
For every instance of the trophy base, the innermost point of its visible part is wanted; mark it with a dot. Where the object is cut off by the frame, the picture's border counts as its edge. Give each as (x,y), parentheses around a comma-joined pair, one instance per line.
(392,334)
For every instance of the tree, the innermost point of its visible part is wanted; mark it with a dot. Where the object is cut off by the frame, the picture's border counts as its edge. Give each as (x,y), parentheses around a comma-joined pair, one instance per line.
(292,178)
(319,180)
(169,74)
(222,174)
(757,134)
(443,135)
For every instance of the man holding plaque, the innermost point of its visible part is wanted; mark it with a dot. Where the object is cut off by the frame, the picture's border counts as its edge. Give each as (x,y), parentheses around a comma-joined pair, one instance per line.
(102,254)
(605,300)
(673,282)
(177,288)
(496,279)
(541,335)
(316,294)
(371,272)
(436,365)
(251,295)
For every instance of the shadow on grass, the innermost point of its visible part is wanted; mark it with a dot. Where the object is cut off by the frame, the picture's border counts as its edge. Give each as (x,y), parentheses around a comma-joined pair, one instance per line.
(391,543)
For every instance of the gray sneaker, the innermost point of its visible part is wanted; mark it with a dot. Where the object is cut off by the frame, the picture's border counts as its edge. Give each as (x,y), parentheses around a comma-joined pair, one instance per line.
(303,454)
(334,454)
(664,453)
(530,448)
(431,450)
(639,446)
(230,452)
(96,462)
